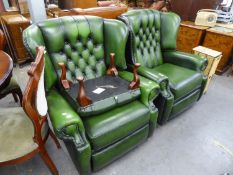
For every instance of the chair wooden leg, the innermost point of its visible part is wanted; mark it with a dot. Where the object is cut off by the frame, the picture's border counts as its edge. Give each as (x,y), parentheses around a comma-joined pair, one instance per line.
(55,139)
(15,97)
(17,92)
(20,94)
(48,161)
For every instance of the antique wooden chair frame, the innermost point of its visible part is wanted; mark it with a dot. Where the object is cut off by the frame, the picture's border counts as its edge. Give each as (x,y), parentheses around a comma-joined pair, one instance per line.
(37,120)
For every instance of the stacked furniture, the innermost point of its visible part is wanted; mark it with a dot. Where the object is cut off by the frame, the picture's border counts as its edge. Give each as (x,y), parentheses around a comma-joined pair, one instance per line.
(152,43)
(100,110)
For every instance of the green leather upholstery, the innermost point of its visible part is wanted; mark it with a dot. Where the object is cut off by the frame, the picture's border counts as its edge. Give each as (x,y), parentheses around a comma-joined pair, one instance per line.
(83,44)
(152,43)
(187,81)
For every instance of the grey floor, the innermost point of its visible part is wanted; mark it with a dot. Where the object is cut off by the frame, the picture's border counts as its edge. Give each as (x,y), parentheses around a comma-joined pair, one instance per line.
(198,142)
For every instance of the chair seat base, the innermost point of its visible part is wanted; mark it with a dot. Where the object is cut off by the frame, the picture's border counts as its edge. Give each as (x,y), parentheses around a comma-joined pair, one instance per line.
(106,92)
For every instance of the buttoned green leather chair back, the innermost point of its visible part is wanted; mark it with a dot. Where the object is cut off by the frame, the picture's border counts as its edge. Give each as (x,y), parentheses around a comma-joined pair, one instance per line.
(83,44)
(152,43)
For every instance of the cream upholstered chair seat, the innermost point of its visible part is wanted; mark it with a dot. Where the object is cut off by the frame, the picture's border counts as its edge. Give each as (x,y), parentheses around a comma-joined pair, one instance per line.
(16,134)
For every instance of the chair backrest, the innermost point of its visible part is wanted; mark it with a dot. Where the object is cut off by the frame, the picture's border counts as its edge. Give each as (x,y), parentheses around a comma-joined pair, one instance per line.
(34,100)
(78,42)
(145,34)
(82,43)
(151,32)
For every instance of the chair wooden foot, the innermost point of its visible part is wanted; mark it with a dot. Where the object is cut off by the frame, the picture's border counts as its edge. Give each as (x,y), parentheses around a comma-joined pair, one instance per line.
(17,92)
(20,95)
(48,161)
(55,139)
(15,97)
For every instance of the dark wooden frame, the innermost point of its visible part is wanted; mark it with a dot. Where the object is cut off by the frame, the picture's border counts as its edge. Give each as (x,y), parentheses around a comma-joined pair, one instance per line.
(7,77)
(37,120)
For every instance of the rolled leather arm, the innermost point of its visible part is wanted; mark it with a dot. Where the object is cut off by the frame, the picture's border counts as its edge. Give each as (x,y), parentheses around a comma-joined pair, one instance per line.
(66,122)
(187,60)
(149,89)
(68,126)
(159,78)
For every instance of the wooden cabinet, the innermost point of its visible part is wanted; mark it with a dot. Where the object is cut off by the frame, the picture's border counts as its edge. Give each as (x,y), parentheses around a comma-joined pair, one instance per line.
(189,36)
(213,57)
(222,42)
(13,26)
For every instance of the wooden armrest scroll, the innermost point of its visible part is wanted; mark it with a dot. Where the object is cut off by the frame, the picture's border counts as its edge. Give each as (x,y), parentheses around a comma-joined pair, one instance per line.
(65,83)
(112,68)
(82,99)
(136,80)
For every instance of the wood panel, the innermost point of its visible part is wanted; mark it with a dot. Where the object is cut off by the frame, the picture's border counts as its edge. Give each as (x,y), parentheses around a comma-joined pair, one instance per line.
(69,4)
(222,42)
(189,36)
(13,27)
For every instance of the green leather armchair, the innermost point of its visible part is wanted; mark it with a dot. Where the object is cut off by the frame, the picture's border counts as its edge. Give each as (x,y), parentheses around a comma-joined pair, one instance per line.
(152,43)
(111,123)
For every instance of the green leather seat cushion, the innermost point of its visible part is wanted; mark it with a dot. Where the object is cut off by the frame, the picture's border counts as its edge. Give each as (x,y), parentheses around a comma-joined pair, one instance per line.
(107,128)
(182,81)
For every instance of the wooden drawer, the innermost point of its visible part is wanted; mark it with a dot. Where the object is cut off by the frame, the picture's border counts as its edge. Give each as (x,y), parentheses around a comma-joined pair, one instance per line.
(189,36)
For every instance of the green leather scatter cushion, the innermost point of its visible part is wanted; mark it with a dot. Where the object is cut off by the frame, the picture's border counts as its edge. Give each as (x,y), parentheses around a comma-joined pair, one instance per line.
(78,42)
(115,93)
(111,153)
(182,81)
(107,128)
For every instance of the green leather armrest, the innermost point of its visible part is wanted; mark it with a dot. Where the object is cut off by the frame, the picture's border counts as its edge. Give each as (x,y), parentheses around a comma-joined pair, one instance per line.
(68,126)
(149,89)
(187,60)
(159,78)
(66,122)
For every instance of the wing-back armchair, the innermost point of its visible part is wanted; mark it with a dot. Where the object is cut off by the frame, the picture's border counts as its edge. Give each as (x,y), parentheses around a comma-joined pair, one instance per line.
(96,107)
(152,43)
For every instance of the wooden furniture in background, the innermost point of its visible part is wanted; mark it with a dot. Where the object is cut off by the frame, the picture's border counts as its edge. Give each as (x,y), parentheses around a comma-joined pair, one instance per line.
(13,26)
(111,12)
(213,57)
(222,42)
(190,36)
(28,136)
(6,67)
(7,84)
(69,4)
